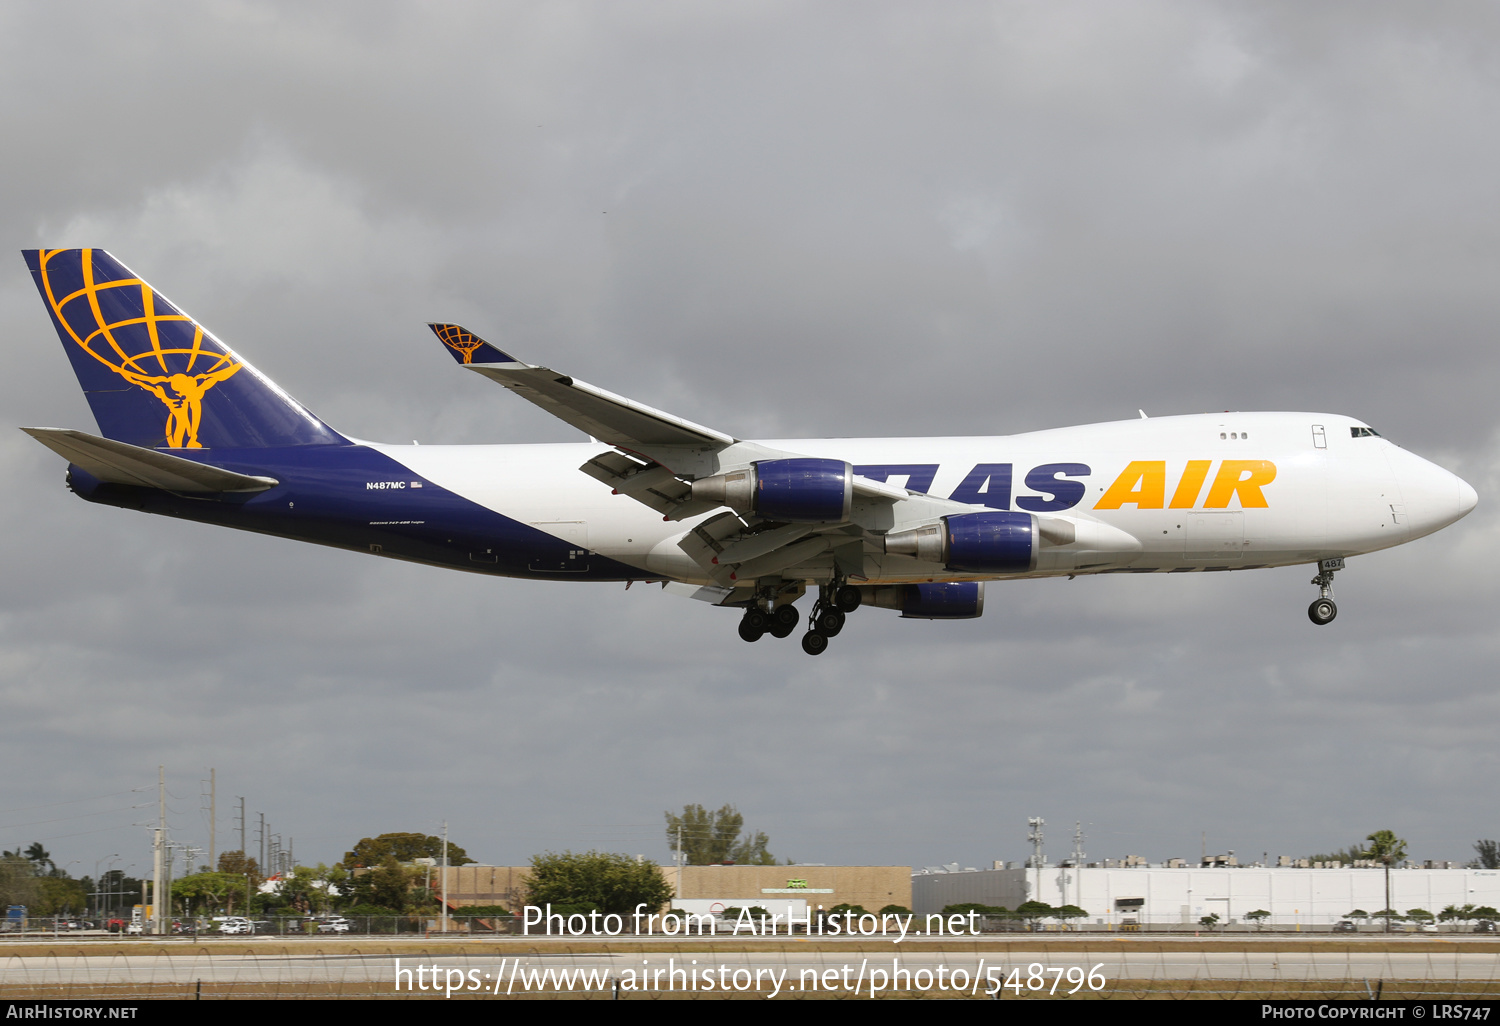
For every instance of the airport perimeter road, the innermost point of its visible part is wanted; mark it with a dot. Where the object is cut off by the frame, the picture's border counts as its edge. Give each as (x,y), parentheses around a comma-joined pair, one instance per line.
(1084,969)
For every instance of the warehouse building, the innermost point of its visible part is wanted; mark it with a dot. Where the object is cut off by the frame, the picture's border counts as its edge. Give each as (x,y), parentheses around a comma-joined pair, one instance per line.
(1183,895)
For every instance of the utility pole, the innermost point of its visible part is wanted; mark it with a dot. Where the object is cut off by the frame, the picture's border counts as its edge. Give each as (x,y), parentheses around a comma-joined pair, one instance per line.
(1035,837)
(158,915)
(243,849)
(213,818)
(444,928)
(1078,857)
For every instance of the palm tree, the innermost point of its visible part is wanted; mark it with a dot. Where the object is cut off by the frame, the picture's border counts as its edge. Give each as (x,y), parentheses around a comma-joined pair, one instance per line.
(1388,848)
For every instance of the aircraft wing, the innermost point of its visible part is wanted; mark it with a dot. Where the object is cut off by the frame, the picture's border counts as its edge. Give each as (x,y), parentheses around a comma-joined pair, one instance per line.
(661,456)
(621,422)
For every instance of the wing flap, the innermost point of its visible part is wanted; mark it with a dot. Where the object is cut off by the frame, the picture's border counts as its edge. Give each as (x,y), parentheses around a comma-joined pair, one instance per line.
(123,463)
(648,483)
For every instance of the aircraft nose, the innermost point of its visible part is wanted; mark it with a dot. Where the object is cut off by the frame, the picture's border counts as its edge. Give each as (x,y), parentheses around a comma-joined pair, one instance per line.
(1468,498)
(1434,497)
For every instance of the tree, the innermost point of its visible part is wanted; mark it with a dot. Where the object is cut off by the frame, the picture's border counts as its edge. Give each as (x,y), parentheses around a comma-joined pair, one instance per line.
(1258,917)
(388,886)
(42,859)
(39,857)
(963,908)
(1344,856)
(1489,855)
(1067,913)
(404,848)
(209,892)
(58,895)
(241,865)
(1458,913)
(1388,849)
(309,889)
(713,838)
(596,881)
(18,880)
(1034,912)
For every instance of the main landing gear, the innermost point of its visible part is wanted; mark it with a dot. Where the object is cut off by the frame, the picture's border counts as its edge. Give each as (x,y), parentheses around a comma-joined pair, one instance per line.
(778,623)
(1323,610)
(834,604)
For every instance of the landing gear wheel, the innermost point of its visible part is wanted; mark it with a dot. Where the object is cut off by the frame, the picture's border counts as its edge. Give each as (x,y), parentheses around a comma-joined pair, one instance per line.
(814,643)
(1322,611)
(754,624)
(782,622)
(829,622)
(847,598)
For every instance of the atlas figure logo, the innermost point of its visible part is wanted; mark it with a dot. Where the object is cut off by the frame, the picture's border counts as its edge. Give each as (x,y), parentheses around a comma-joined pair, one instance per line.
(125,326)
(751,526)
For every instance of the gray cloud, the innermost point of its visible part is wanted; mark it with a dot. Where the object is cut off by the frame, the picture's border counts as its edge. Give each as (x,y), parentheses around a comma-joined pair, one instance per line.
(780,219)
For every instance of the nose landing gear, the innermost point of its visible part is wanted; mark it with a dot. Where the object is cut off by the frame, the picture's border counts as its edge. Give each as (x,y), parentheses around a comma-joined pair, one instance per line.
(1323,609)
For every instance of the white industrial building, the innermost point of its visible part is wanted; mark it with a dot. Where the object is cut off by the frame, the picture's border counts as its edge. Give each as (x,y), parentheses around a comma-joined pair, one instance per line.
(1153,895)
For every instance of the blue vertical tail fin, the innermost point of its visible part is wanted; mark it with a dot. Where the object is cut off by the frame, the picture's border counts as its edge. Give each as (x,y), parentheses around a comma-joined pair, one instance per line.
(153,376)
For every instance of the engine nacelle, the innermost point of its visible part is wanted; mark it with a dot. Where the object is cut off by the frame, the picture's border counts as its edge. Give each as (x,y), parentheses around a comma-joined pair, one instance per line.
(801,491)
(963,600)
(991,542)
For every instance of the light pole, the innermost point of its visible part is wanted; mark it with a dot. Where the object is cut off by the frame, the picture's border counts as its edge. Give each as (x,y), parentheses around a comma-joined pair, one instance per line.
(98,910)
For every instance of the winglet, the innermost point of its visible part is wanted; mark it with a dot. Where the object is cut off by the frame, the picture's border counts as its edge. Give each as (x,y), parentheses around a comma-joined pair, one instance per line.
(468,347)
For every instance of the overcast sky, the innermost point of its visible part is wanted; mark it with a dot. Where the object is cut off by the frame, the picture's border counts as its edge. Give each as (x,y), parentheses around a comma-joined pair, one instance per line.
(778,219)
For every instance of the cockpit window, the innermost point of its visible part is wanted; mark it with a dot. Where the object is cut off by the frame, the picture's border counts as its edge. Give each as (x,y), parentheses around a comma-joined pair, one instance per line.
(1363,432)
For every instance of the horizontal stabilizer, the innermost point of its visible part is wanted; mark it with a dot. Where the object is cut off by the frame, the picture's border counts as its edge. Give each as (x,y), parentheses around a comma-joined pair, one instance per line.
(123,463)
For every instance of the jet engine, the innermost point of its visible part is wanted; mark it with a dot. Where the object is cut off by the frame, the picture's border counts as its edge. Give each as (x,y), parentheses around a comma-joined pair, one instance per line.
(963,600)
(991,542)
(800,491)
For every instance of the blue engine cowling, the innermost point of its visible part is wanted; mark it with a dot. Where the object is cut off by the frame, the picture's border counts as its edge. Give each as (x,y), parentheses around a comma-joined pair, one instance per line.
(994,542)
(802,490)
(963,600)
(991,542)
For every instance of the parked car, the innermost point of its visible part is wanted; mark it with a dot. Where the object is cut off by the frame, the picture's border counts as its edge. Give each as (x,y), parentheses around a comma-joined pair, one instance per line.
(1344,926)
(236,924)
(338,924)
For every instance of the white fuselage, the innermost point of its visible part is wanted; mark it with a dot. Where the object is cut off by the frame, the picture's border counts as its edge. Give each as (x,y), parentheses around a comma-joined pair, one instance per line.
(1211,491)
